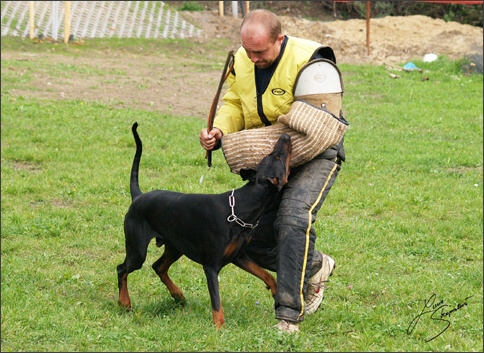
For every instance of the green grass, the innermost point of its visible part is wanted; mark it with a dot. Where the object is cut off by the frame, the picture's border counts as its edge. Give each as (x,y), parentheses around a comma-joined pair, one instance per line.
(100,47)
(403,221)
(190,6)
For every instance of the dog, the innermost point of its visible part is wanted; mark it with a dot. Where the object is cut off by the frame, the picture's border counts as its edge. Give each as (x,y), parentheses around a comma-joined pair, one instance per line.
(210,229)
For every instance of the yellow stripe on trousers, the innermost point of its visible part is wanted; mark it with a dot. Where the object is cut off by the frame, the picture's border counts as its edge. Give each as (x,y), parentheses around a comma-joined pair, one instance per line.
(308,230)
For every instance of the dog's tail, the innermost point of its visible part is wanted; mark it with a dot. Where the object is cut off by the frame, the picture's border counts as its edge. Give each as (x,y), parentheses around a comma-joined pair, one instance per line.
(133,183)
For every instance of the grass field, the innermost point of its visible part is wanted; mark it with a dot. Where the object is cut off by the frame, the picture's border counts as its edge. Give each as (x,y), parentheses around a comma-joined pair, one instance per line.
(403,221)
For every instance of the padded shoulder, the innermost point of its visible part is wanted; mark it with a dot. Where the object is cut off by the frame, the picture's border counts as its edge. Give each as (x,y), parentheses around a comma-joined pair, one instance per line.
(324,53)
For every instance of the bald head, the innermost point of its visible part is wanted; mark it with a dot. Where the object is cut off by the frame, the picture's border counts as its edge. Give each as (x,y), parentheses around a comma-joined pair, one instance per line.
(263,22)
(261,37)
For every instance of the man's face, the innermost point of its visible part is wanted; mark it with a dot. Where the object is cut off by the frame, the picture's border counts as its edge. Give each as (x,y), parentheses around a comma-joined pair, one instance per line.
(261,49)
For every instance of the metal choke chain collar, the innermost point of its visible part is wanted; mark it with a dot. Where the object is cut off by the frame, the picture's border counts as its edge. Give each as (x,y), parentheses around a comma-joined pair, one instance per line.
(234,218)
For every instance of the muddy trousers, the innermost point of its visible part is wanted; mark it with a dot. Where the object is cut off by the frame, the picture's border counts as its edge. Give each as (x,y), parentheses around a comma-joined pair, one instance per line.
(284,239)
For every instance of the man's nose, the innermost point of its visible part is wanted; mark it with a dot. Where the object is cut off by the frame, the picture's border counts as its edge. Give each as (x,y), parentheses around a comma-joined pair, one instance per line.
(254,58)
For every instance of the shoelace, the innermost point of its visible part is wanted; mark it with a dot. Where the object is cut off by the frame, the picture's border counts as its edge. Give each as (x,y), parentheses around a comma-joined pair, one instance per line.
(318,286)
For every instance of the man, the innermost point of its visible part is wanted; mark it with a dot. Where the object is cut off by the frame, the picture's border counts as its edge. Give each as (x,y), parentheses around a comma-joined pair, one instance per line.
(260,90)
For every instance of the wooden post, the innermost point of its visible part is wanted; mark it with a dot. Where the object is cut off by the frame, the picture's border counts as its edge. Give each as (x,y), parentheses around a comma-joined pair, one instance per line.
(368,27)
(31,19)
(67,22)
(246,7)
(221,8)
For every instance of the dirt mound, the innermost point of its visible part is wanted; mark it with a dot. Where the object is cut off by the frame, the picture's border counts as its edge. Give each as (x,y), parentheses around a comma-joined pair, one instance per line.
(392,39)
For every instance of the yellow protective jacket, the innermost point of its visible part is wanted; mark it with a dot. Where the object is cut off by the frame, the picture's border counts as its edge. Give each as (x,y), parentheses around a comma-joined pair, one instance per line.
(242,106)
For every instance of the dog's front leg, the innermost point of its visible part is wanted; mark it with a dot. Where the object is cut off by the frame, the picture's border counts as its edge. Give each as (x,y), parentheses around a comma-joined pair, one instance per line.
(213,289)
(247,264)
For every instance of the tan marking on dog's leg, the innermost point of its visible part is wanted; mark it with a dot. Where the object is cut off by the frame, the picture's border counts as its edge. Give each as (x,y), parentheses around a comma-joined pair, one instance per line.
(124,299)
(245,263)
(175,292)
(161,268)
(263,275)
(218,317)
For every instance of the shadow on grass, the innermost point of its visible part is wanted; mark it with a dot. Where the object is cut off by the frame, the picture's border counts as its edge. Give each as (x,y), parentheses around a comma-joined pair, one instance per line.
(163,307)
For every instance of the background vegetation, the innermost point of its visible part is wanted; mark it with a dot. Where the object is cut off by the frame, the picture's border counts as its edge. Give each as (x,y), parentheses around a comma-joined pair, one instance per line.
(403,221)
(467,14)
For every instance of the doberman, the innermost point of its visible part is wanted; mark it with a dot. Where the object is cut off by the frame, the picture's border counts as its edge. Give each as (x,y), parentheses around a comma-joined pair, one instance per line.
(210,229)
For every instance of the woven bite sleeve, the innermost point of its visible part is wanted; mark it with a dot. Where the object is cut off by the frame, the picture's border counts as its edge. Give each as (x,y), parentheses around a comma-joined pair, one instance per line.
(312,131)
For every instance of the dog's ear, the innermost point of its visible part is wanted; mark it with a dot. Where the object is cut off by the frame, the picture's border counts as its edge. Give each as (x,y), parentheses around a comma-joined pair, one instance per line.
(276,182)
(247,174)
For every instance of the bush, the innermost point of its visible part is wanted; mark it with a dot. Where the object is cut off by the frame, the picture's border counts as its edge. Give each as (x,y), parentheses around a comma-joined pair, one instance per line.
(191,6)
(466,14)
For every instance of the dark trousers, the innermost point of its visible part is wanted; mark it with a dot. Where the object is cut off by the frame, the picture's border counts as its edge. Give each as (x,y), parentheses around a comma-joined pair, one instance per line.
(284,239)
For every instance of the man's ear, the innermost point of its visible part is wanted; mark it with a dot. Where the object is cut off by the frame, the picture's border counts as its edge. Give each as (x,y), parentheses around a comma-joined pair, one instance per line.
(247,174)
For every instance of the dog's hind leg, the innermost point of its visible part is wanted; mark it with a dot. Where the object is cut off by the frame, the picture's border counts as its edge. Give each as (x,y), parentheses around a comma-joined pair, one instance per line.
(123,299)
(124,270)
(136,250)
(247,264)
(161,267)
(213,289)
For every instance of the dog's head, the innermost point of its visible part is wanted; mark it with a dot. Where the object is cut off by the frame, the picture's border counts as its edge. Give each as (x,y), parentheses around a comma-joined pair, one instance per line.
(273,167)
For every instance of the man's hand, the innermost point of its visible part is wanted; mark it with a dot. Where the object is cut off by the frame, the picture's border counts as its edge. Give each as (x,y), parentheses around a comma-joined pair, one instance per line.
(209,140)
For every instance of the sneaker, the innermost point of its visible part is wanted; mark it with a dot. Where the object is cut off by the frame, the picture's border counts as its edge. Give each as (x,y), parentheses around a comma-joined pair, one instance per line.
(287,326)
(314,296)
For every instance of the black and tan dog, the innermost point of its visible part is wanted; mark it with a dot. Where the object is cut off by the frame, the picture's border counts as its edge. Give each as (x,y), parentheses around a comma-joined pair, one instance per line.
(211,229)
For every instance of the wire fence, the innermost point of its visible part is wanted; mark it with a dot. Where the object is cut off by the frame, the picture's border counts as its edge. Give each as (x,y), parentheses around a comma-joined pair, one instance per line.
(95,19)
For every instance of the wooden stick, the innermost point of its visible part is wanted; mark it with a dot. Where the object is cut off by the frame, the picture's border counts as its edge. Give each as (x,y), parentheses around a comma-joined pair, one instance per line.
(213,108)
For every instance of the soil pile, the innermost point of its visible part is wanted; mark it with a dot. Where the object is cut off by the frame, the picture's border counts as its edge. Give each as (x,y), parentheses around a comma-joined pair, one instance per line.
(392,39)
